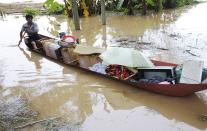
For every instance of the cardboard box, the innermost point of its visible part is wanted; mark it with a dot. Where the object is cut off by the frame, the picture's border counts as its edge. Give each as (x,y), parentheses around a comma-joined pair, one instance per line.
(68,55)
(52,50)
(192,72)
(86,61)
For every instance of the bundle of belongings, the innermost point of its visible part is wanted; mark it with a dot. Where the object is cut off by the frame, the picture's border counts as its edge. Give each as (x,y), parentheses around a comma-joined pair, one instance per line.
(88,57)
(99,68)
(56,48)
(66,40)
(155,75)
(132,65)
(119,71)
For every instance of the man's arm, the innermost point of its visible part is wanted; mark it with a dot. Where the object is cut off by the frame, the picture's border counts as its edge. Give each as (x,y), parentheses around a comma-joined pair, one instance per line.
(23,29)
(21,36)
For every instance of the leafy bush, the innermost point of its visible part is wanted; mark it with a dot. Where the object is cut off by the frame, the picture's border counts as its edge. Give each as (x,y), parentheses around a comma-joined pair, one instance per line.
(31,11)
(126,11)
(176,3)
(120,9)
(187,2)
(150,3)
(54,7)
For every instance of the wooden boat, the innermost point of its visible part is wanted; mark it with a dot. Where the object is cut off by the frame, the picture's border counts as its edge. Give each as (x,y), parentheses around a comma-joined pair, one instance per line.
(176,90)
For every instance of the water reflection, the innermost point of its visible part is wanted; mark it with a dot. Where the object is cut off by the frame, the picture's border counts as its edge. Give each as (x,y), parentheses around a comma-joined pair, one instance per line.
(141,118)
(173,108)
(32,58)
(185,110)
(106,101)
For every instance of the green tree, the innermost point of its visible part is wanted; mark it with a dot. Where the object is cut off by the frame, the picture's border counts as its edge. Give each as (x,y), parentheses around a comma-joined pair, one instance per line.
(159,5)
(54,7)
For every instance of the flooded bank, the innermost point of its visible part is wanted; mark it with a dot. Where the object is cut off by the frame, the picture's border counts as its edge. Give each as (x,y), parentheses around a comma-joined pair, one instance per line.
(96,103)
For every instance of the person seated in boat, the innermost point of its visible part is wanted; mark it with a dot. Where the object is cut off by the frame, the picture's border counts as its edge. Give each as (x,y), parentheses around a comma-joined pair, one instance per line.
(31,29)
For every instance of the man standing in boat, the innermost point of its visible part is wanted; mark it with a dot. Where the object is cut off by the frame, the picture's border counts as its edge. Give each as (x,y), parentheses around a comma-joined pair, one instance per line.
(31,29)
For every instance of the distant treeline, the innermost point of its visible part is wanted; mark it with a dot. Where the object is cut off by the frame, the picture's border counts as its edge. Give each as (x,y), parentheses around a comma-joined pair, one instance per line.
(176,3)
(93,7)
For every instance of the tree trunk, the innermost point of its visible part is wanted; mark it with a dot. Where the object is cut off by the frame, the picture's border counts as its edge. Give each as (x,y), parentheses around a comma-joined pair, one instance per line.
(103,12)
(129,6)
(158,6)
(144,7)
(67,8)
(75,15)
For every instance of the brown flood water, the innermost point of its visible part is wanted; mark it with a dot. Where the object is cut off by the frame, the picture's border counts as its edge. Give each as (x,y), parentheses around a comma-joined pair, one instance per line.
(101,104)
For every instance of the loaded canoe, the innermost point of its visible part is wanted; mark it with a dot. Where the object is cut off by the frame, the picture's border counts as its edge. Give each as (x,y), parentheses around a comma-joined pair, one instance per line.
(47,47)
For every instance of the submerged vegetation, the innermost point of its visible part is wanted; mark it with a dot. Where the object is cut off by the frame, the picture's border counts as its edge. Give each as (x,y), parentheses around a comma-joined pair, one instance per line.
(15,113)
(31,11)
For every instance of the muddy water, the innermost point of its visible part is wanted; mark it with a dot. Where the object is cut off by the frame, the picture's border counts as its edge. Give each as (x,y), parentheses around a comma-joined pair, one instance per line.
(54,89)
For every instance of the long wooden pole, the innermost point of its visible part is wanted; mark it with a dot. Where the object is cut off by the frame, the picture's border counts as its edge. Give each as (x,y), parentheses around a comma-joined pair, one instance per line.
(103,12)
(144,7)
(104,36)
(75,15)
